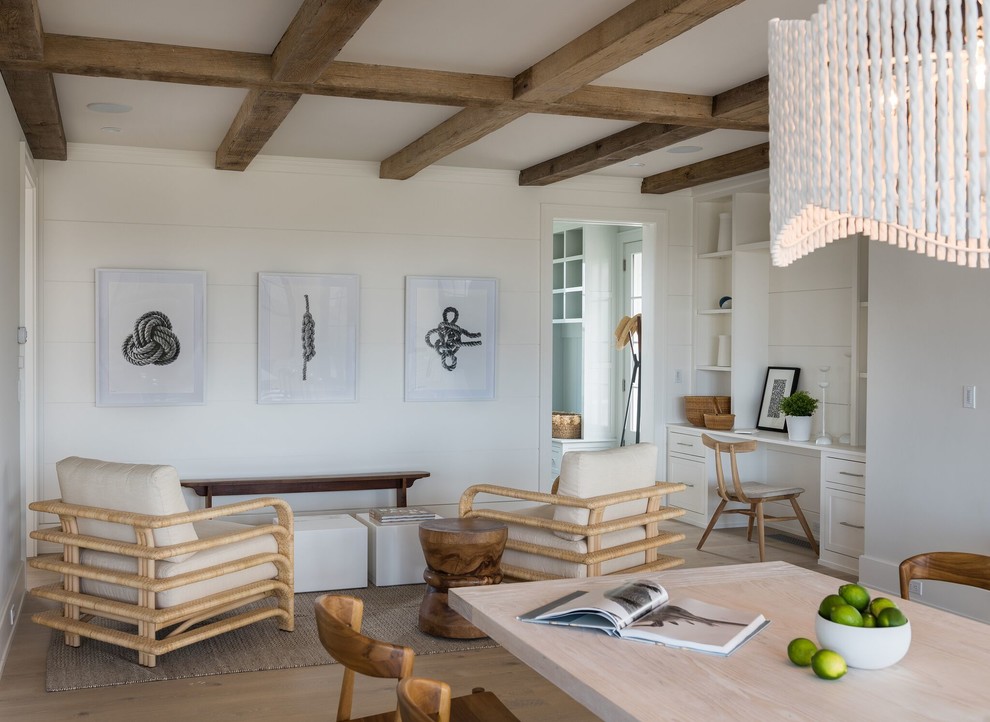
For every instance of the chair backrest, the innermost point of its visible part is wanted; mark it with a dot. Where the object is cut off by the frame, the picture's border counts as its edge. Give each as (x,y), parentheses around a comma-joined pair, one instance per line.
(338,621)
(957,567)
(731,448)
(423,700)
(592,473)
(138,488)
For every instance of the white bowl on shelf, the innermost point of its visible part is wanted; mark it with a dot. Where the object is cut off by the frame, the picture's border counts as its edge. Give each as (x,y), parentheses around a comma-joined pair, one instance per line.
(864,647)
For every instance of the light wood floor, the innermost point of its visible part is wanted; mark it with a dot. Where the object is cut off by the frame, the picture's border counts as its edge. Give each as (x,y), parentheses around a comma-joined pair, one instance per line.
(310,693)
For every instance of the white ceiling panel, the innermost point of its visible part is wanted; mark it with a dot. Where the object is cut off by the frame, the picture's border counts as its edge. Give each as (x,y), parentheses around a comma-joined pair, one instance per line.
(163,115)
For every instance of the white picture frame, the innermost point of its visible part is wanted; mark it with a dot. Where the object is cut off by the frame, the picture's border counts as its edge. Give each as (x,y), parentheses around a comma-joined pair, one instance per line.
(465,310)
(319,368)
(150,337)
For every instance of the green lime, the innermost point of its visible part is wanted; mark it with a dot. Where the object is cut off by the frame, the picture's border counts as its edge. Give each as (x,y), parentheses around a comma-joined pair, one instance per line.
(828,664)
(832,600)
(846,614)
(869,620)
(801,650)
(855,596)
(891,617)
(879,604)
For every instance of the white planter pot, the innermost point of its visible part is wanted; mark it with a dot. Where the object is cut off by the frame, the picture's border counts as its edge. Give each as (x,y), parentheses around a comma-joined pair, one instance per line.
(799,428)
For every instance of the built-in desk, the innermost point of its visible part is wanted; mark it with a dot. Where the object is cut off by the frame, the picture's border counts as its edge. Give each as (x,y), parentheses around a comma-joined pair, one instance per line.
(833,476)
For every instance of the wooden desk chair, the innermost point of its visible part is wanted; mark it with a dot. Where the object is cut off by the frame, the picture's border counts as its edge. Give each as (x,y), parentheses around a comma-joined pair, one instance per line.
(957,567)
(752,493)
(338,621)
(423,700)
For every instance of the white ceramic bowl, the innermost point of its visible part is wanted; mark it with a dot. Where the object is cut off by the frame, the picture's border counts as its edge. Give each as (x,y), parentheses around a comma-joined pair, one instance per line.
(864,647)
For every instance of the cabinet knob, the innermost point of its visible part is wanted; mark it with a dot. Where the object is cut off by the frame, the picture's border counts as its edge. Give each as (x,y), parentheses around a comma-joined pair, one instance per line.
(854,526)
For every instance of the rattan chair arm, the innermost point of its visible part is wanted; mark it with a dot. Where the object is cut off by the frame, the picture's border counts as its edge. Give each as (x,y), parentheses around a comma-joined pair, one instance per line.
(661,488)
(602,527)
(161,521)
(141,551)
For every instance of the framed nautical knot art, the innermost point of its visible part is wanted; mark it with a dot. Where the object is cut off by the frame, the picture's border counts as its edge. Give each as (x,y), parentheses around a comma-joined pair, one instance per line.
(150,337)
(307,338)
(450,338)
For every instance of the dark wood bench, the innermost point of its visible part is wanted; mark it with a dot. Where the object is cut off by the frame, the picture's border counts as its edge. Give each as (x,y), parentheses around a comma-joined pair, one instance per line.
(398,480)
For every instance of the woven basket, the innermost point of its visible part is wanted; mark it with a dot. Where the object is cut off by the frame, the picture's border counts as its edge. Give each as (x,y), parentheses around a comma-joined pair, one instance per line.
(695,407)
(719,422)
(566,426)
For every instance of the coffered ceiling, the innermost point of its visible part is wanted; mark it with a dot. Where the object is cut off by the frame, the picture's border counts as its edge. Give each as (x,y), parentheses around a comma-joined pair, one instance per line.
(551,88)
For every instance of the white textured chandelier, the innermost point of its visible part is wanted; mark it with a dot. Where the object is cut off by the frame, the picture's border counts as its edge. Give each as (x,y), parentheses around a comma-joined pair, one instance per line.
(879,125)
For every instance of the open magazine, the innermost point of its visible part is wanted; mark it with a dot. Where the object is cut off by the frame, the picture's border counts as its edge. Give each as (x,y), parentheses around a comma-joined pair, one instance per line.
(642,610)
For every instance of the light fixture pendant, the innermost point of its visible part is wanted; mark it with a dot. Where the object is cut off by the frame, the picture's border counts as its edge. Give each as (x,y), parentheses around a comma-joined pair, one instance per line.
(879,125)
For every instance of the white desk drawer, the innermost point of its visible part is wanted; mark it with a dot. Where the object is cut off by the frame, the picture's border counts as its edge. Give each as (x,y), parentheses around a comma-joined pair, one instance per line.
(845,472)
(685,444)
(844,532)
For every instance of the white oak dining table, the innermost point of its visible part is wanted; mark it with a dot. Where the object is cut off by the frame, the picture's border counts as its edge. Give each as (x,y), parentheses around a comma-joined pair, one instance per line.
(944,676)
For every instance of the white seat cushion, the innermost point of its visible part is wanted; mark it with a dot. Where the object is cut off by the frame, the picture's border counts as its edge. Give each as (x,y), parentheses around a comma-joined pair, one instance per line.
(194,562)
(592,473)
(756,490)
(137,488)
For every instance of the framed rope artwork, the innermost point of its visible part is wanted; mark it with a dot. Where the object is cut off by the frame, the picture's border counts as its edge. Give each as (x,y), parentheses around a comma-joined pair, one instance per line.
(307,338)
(151,337)
(450,338)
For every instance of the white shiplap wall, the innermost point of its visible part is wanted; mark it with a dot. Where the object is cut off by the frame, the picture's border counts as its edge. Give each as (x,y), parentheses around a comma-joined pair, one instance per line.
(132,208)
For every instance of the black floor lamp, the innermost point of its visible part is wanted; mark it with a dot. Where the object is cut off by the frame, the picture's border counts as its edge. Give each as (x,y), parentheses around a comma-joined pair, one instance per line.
(630,331)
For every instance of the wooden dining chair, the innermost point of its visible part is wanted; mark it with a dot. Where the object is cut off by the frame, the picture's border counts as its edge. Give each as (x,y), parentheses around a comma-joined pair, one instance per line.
(423,700)
(958,567)
(753,494)
(338,622)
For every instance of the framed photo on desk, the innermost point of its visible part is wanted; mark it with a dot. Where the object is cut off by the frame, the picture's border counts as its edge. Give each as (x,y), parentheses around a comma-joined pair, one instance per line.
(781,382)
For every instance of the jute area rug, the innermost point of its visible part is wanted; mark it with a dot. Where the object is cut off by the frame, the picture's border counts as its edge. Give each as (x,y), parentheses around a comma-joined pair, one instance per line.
(390,613)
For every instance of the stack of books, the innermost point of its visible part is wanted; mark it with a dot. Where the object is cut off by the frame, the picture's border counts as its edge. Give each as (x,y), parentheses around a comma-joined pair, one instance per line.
(386,515)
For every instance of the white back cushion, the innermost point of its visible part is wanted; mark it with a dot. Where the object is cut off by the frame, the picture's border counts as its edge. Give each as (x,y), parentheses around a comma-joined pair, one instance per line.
(592,473)
(139,488)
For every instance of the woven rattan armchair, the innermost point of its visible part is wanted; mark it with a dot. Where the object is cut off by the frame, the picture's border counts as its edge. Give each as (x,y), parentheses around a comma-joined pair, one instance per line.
(602,517)
(166,571)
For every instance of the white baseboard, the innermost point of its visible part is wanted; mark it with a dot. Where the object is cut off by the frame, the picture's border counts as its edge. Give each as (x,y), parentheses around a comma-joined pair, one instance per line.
(13,601)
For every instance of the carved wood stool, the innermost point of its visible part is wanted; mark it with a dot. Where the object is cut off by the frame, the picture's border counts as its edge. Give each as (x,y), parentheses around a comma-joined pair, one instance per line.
(459,553)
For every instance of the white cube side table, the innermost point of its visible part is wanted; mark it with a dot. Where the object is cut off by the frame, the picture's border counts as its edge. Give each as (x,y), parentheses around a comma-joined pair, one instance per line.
(331,552)
(394,553)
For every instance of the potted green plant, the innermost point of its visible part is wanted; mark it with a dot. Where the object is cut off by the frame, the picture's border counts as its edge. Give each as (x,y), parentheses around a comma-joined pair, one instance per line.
(798,408)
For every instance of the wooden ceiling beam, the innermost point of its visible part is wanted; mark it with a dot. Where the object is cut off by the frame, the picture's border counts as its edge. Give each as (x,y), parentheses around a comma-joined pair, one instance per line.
(31,91)
(456,132)
(99,57)
(316,35)
(616,148)
(632,31)
(745,102)
(725,166)
(640,139)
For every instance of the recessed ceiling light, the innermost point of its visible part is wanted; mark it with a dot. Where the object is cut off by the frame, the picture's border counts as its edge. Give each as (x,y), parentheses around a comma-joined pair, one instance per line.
(636,164)
(110,129)
(109,107)
(685,149)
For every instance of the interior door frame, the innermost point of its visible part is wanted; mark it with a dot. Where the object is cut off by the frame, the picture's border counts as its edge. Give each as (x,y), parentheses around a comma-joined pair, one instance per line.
(29,351)
(655,242)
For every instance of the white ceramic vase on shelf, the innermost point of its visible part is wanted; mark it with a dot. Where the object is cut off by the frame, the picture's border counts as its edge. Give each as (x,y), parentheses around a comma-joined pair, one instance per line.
(799,428)
(724,232)
(724,355)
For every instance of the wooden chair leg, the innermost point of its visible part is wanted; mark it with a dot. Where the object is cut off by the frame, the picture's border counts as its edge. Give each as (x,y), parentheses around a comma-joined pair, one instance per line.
(749,522)
(711,524)
(759,530)
(804,525)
